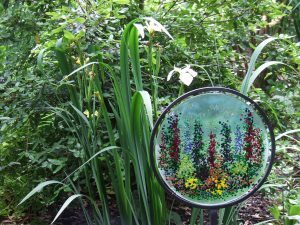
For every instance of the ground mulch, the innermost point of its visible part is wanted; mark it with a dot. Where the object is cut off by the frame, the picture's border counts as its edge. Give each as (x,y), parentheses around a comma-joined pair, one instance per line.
(254,210)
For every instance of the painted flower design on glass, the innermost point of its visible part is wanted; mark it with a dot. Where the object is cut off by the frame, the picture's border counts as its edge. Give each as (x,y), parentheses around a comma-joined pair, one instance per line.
(212,147)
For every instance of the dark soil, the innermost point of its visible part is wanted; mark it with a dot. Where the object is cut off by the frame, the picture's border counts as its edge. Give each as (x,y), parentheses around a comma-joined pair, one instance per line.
(255,210)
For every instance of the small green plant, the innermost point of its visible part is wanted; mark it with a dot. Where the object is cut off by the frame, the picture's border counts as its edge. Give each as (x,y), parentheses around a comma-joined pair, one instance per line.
(288,212)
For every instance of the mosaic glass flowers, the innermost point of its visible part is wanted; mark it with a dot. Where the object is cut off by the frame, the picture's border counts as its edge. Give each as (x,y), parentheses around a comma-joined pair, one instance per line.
(191,183)
(212,164)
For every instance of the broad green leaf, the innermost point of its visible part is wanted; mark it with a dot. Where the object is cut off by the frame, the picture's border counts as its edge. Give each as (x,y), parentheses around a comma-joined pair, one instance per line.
(80,34)
(275,212)
(79,20)
(294,210)
(56,30)
(68,35)
(121,2)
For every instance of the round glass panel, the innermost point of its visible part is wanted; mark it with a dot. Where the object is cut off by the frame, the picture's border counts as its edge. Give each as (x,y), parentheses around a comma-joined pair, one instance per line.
(212,147)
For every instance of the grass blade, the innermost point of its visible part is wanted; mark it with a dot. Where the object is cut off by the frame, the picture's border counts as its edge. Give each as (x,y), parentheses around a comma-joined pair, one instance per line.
(63,62)
(65,205)
(81,115)
(78,69)
(285,133)
(124,64)
(39,188)
(135,57)
(95,155)
(265,222)
(253,59)
(194,216)
(40,60)
(147,102)
(205,71)
(261,68)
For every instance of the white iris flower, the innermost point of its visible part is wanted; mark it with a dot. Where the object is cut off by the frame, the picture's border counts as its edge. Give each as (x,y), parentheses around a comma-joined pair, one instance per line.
(151,26)
(186,74)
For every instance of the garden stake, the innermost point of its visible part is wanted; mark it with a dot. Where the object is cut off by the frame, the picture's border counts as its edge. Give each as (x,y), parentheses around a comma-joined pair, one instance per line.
(213,216)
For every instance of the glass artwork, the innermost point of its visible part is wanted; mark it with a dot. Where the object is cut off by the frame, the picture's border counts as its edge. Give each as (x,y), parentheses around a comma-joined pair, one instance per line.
(212,147)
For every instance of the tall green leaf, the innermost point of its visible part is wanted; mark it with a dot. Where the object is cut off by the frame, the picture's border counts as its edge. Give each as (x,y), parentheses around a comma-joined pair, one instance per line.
(65,205)
(39,189)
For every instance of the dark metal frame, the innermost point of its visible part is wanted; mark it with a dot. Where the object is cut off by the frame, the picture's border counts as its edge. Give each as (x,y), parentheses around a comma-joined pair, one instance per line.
(194,93)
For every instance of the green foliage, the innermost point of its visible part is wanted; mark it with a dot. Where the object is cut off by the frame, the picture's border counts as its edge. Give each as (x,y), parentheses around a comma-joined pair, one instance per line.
(56,52)
(186,168)
(289,212)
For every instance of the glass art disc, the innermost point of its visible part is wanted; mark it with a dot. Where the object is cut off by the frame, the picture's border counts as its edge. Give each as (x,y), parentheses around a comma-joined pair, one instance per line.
(212,147)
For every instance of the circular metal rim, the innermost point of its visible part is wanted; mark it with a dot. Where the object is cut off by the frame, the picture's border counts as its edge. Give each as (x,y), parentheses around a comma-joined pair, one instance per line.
(194,93)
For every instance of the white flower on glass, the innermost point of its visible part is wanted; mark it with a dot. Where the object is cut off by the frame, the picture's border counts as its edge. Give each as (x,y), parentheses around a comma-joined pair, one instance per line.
(186,74)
